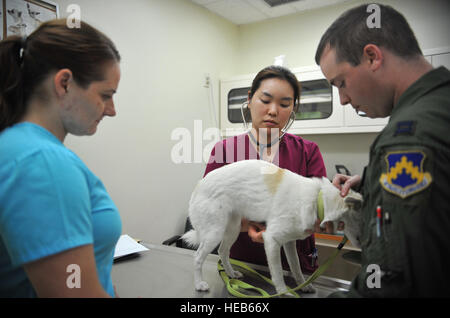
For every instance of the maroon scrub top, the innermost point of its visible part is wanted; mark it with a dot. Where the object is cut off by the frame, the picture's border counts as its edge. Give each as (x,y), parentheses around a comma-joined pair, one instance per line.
(295,154)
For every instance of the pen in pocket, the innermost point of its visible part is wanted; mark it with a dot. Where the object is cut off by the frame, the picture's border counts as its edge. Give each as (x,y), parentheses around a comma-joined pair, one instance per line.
(378,221)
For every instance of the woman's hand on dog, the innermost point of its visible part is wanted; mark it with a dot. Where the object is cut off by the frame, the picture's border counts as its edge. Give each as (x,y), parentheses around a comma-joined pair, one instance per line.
(344,183)
(254,230)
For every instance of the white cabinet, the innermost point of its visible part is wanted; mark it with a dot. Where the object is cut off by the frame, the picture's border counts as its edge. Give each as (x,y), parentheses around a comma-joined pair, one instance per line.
(318,108)
(233,93)
(441,60)
(438,57)
(320,111)
(352,119)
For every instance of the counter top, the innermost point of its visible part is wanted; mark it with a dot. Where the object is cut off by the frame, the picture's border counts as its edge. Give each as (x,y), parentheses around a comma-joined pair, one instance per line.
(168,272)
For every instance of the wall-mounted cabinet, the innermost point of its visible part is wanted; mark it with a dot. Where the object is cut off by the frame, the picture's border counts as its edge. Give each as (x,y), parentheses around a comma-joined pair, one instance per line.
(320,110)
(438,57)
(441,60)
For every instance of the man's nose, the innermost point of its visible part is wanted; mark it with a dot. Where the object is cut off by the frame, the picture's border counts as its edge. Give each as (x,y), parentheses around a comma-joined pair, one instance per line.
(110,109)
(344,98)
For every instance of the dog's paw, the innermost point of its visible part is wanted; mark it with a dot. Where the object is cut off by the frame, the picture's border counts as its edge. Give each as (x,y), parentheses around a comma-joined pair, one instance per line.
(308,289)
(284,292)
(236,274)
(201,286)
(288,295)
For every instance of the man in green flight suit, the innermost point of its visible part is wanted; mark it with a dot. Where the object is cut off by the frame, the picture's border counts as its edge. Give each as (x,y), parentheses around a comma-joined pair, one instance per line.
(405,231)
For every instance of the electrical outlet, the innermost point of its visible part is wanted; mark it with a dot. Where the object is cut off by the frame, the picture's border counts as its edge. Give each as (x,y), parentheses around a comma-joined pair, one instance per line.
(207,81)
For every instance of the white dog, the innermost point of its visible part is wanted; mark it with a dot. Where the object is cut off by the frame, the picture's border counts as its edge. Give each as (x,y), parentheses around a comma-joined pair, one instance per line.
(262,192)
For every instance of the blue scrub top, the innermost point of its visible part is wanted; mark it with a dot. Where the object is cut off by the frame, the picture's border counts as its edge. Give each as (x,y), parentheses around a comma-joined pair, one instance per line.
(50,202)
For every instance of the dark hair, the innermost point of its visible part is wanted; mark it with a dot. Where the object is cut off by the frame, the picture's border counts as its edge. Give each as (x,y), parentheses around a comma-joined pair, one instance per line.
(279,72)
(26,62)
(350,33)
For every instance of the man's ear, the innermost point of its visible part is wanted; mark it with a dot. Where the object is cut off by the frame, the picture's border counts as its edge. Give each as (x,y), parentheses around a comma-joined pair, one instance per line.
(62,80)
(374,55)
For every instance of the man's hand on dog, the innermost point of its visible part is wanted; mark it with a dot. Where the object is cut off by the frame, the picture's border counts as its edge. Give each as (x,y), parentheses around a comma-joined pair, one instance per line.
(344,183)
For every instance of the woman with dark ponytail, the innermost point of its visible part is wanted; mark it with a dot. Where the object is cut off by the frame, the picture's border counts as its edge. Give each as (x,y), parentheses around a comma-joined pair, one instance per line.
(58,225)
(10,81)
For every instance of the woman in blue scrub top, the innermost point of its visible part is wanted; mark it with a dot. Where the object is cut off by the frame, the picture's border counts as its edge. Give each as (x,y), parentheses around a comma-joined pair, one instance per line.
(58,225)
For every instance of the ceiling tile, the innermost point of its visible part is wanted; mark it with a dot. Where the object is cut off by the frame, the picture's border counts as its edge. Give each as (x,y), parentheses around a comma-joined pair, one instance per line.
(236,11)
(313,4)
(277,11)
(249,11)
(202,2)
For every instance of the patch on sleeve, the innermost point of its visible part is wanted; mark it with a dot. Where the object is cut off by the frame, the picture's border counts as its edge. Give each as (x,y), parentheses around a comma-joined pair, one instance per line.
(404,173)
(407,128)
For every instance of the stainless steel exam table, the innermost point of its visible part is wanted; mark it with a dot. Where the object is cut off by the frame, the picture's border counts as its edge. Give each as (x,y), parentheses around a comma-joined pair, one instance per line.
(167,272)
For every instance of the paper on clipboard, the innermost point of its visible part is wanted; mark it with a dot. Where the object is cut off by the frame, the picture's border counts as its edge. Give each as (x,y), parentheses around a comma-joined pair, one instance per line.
(126,245)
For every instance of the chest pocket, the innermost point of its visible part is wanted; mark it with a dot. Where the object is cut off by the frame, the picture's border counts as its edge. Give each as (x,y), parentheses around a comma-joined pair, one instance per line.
(383,245)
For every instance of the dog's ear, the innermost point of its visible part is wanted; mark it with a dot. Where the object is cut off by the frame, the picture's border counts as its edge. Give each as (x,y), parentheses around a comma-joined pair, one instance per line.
(353,203)
(353,219)
(333,203)
(354,200)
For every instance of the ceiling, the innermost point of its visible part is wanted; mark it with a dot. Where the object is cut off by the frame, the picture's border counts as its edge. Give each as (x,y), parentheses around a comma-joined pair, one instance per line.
(249,11)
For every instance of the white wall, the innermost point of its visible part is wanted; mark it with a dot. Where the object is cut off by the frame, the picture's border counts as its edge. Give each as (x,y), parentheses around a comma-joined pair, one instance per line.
(298,35)
(167,46)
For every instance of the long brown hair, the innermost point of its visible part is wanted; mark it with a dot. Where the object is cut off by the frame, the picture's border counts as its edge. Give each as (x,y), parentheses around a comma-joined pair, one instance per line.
(26,62)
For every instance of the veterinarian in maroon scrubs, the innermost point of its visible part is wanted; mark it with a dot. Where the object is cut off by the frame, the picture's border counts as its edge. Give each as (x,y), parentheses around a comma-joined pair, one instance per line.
(272,103)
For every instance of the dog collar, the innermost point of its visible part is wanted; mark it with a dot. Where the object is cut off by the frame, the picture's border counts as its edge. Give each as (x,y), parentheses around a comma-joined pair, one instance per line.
(320,210)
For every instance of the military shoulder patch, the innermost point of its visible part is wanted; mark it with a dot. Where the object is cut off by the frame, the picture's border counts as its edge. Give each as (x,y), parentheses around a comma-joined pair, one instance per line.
(404,173)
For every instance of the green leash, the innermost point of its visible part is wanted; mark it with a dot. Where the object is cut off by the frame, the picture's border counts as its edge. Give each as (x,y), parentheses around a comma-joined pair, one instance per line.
(234,286)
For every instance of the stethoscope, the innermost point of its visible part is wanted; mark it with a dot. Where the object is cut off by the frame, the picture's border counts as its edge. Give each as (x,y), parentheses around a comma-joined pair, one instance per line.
(274,141)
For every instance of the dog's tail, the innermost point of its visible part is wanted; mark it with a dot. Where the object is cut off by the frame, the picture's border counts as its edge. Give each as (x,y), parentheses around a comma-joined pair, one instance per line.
(191,238)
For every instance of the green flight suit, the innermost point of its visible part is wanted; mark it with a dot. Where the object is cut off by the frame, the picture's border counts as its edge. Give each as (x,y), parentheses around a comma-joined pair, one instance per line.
(408,177)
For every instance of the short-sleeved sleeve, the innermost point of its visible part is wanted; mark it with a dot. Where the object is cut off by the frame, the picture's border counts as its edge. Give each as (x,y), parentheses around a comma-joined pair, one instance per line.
(47,210)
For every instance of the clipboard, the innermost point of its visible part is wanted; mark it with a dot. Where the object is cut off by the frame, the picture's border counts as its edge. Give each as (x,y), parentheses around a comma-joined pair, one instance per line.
(127,248)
